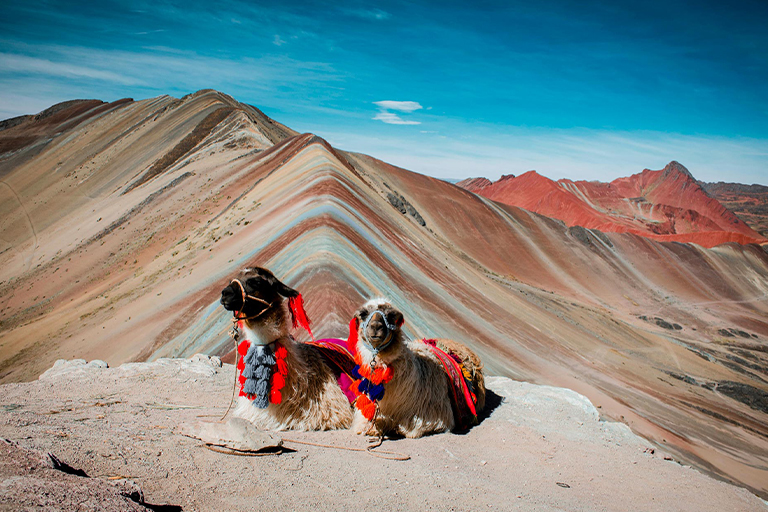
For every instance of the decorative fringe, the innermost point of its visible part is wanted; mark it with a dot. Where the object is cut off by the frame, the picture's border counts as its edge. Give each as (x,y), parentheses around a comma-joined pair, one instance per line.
(352,340)
(369,387)
(279,374)
(298,315)
(262,373)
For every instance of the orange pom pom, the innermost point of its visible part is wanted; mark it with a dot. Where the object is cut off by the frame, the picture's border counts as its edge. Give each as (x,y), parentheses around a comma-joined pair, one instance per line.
(369,411)
(275,396)
(353,387)
(387,374)
(243,347)
(362,401)
(281,352)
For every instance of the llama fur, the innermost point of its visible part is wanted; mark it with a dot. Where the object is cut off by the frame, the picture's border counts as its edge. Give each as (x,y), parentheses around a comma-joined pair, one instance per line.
(311,398)
(416,401)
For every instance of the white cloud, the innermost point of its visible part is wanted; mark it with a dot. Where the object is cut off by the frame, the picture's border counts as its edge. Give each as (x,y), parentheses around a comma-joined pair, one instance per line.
(392,118)
(386,116)
(278,41)
(400,106)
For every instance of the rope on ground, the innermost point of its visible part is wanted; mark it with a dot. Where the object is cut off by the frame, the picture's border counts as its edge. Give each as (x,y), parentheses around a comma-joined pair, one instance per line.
(382,454)
(234,383)
(230,451)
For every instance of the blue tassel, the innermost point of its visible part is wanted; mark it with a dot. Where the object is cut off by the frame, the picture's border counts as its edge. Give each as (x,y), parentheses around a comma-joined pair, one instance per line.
(376,392)
(364,386)
(356,372)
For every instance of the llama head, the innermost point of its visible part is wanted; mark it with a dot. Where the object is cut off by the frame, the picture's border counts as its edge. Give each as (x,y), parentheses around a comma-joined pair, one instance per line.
(261,293)
(378,330)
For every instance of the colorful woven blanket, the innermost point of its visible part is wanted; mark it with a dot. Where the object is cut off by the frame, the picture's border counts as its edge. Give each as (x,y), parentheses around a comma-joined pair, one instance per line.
(462,396)
(338,358)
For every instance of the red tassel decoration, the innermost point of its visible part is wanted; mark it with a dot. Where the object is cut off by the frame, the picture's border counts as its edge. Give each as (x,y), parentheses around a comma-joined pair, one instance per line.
(282,368)
(279,372)
(298,315)
(352,340)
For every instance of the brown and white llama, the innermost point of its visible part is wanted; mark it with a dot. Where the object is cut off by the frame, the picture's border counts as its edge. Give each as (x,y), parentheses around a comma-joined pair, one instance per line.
(284,384)
(410,388)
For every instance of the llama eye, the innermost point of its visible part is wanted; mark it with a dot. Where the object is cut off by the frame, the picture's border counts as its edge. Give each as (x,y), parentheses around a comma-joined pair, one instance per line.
(363,314)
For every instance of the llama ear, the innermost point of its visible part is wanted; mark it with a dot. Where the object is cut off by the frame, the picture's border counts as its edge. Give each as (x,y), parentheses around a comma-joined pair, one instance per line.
(394,317)
(282,289)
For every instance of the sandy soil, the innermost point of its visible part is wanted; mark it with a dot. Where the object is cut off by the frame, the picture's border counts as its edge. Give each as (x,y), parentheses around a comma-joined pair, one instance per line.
(539,448)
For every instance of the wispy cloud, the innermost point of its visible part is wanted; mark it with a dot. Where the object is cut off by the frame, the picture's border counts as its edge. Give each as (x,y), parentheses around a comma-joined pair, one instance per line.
(401,106)
(17,63)
(42,73)
(386,115)
(369,14)
(392,118)
(278,41)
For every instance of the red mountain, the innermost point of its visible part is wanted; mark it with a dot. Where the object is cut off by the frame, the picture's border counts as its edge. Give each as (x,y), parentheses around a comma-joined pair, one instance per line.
(668,205)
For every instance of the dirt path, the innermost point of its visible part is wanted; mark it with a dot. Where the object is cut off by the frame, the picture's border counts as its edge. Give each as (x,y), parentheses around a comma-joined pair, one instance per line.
(541,448)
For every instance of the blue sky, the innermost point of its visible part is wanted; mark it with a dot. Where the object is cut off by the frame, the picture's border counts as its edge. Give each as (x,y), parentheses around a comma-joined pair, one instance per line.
(578,89)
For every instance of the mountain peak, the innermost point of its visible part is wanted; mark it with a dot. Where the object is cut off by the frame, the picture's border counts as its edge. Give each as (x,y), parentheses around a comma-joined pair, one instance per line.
(674,167)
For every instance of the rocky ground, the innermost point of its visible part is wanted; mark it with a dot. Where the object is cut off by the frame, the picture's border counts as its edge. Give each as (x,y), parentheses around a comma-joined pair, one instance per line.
(539,448)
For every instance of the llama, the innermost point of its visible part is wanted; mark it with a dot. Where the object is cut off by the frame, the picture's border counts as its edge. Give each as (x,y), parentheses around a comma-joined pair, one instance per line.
(284,384)
(410,388)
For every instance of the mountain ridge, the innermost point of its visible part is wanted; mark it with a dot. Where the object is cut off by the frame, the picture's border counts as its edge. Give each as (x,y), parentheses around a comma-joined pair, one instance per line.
(136,276)
(668,204)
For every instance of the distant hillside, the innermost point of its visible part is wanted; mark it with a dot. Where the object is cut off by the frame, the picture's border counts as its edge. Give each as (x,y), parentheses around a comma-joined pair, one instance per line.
(121,222)
(748,202)
(666,205)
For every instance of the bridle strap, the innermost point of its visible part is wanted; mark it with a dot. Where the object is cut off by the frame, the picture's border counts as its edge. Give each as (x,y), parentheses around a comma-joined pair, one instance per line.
(239,314)
(387,341)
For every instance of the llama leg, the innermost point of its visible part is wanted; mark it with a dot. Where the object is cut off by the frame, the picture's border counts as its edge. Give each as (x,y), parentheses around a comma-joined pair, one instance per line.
(361,425)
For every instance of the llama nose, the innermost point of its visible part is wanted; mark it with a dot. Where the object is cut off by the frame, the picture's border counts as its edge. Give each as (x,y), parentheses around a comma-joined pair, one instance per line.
(229,298)
(377,330)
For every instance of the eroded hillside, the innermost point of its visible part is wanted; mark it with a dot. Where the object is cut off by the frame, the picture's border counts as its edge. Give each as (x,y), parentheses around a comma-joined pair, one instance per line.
(122,223)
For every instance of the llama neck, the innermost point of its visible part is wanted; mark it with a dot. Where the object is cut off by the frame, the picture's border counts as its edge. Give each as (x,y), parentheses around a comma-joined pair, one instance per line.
(269,329)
